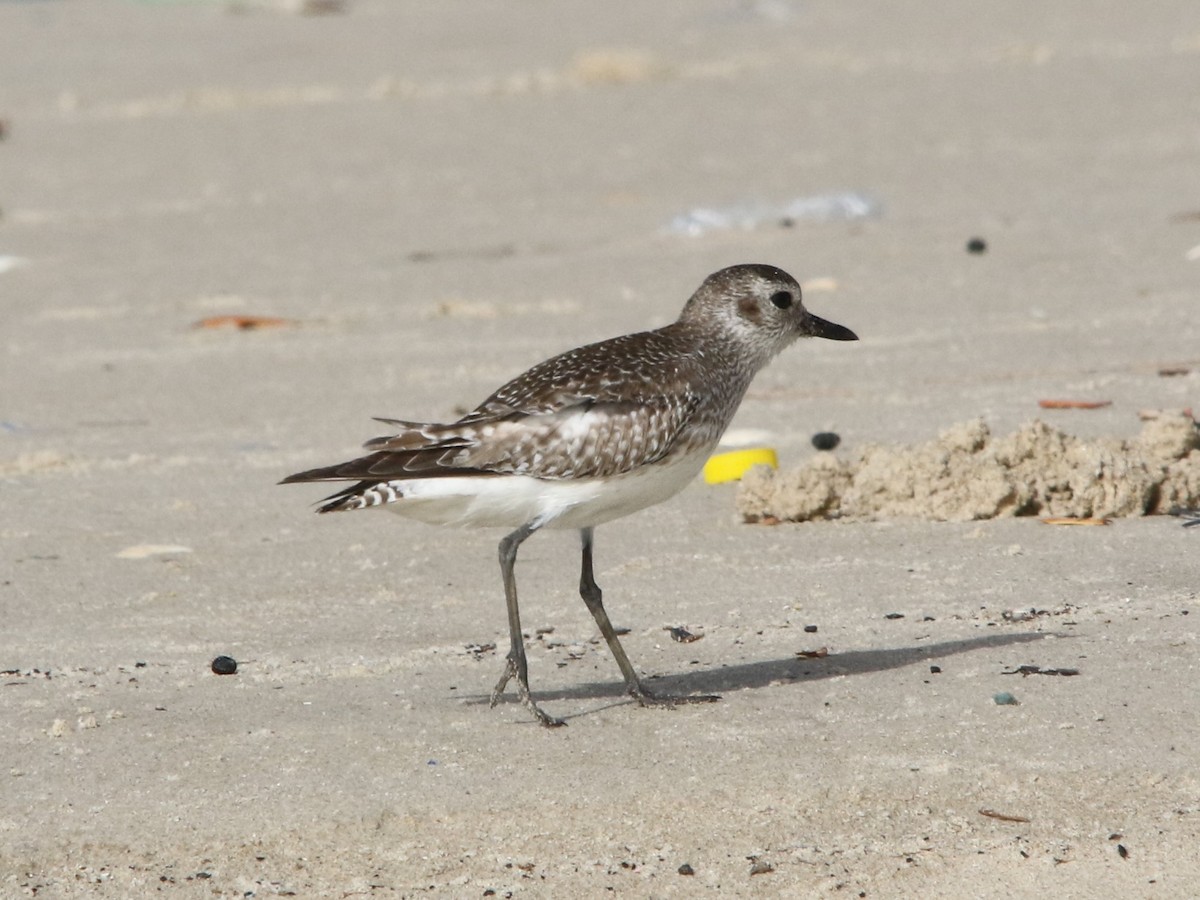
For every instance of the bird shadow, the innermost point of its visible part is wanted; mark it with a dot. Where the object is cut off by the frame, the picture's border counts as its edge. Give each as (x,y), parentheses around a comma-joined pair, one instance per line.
(788,670)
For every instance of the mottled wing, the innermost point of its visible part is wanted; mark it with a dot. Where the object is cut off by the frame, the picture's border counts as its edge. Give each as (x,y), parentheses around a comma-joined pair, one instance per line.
(633,369)
(596,411)
(587,440)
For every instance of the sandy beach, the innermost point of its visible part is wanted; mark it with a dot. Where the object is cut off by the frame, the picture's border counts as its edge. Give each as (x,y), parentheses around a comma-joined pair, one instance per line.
(233,232)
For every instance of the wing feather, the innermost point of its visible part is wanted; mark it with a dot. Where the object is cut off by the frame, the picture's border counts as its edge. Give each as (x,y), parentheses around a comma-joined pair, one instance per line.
(578,415)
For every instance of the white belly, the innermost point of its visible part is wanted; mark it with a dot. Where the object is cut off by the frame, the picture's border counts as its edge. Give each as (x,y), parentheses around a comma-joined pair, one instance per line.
(510,501)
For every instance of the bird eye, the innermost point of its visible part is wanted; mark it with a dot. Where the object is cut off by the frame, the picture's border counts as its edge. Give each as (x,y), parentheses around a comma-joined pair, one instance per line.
(782,299)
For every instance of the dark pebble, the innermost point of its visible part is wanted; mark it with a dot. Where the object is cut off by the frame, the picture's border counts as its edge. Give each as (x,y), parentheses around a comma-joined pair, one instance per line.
(825,440)
(224,665)
(810,629)
(685,869)
(894,616)
(935,670)
(976,245)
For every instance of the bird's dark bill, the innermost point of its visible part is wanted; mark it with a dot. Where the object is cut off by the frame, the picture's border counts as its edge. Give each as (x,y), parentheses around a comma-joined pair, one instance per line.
(821,328)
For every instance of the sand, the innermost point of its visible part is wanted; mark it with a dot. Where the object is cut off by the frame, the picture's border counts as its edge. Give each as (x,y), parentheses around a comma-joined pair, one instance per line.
(431,198)
(966,474)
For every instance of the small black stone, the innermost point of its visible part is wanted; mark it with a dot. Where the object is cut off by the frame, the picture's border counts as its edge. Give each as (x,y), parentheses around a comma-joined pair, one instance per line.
(825,440)
(685,869)
(810,629)
(976,245)
(224,665)
(894,616)
(935,670)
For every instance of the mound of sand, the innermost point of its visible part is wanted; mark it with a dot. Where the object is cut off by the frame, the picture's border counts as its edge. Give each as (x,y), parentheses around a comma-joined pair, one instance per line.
(967,474)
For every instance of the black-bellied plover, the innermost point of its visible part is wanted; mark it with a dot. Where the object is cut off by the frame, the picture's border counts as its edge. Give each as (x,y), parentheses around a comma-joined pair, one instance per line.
(587,437)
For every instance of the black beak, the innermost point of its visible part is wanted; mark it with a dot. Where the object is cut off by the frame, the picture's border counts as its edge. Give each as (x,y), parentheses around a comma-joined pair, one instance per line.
(818,327)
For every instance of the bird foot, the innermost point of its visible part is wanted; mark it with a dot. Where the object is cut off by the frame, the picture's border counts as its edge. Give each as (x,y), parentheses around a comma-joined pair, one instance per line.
(645,698)
(510,670)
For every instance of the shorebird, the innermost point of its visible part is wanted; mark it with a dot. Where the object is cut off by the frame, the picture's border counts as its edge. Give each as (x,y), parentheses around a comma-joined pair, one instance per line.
(586,437)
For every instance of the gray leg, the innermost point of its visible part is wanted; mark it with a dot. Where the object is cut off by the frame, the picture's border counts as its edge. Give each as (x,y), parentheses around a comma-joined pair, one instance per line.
(592,597)
(515,663)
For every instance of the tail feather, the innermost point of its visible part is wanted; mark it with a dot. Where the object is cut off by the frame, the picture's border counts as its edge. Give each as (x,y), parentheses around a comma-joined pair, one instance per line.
(419,451)
(352,470)
(361,496)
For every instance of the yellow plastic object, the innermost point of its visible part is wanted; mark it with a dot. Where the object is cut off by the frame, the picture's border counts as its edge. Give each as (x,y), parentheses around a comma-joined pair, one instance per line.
(733,465)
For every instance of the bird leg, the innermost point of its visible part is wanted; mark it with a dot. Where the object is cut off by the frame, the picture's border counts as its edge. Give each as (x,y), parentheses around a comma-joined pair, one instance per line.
(591,594)
(515,663)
